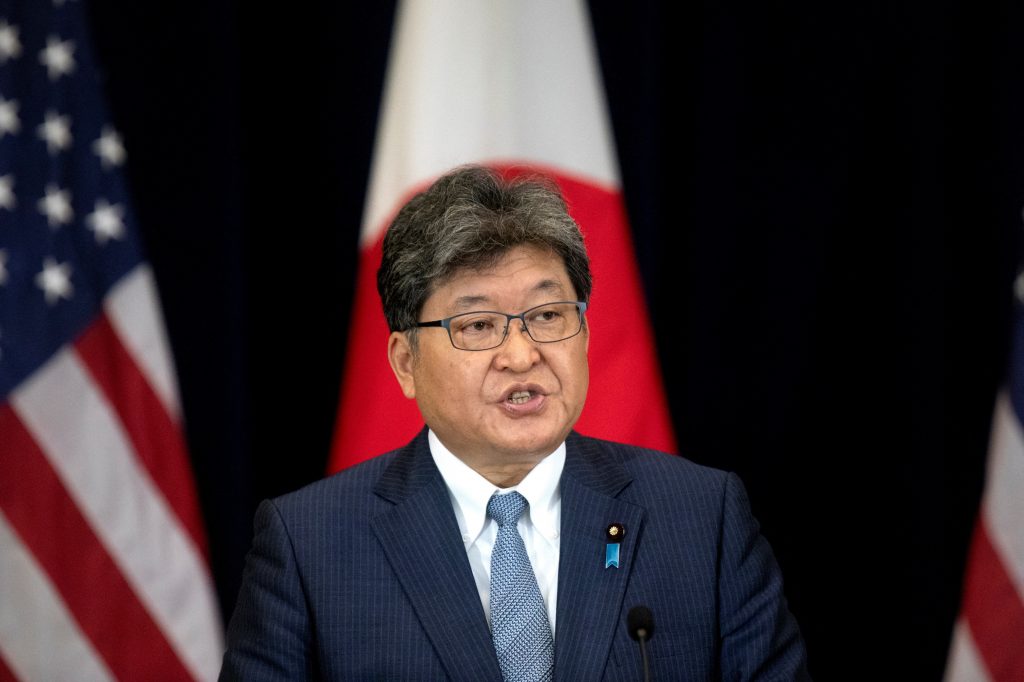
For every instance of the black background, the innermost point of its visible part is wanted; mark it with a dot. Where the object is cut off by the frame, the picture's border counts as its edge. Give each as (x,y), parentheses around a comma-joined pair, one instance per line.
(825,200)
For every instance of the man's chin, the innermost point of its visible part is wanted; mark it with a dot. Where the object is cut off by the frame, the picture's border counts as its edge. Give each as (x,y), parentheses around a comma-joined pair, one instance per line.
(530,444)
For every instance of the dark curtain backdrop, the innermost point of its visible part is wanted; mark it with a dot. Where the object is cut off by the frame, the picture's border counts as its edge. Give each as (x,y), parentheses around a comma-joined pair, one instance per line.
(826,204)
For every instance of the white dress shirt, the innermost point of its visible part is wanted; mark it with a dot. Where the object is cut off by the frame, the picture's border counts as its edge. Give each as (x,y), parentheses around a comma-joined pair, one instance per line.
(539,526)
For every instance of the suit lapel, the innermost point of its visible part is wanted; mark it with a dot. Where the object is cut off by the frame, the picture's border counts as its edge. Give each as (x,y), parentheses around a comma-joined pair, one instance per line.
(590,595)
(421,540)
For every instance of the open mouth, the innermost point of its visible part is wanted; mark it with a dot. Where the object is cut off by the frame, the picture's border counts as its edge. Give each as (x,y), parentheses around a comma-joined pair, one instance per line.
(520,397)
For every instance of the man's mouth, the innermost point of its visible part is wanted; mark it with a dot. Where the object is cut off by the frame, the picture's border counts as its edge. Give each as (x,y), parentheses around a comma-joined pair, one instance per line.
(519,397)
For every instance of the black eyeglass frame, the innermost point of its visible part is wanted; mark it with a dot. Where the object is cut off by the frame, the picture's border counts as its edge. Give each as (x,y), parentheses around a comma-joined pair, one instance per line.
(446,323)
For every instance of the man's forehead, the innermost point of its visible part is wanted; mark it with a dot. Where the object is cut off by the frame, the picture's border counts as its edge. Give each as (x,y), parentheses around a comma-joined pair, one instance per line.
(522,272)
(546,287)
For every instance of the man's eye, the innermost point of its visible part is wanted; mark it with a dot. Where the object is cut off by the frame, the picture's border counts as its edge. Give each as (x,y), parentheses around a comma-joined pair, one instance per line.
(545,316)
(476,327)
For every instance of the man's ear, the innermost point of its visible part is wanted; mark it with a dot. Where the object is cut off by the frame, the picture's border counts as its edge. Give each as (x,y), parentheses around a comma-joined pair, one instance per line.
(400,355)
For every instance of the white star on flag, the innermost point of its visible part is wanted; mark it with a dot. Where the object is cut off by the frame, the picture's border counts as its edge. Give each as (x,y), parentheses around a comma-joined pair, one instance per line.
(56,206)
(109,148)
(56,57)
(7,199)
(55,280)
(56,131)
(10,46)
(106,221)
(9,122)
(3,267)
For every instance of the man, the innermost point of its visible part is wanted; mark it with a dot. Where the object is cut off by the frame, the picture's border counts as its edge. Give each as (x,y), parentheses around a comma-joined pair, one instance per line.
(499,543)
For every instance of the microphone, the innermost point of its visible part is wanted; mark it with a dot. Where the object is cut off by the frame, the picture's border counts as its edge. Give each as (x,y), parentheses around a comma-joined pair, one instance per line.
(641,628)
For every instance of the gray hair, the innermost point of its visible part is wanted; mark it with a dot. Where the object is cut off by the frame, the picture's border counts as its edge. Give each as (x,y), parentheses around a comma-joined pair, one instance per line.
(468,219)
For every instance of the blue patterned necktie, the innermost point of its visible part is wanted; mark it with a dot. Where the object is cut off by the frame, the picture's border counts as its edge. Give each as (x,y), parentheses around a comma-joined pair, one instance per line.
(519,621)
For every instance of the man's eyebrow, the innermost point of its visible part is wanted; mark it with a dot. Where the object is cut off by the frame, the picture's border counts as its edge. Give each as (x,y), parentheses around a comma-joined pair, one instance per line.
(549,285)
(471,302)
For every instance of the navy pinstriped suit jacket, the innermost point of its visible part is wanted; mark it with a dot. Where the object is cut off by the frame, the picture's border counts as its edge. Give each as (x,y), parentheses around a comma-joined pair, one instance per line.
(364,576)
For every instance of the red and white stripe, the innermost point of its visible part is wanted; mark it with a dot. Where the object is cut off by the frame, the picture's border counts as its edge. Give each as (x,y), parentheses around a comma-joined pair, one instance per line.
(103,548)
(510,85)
(988,641)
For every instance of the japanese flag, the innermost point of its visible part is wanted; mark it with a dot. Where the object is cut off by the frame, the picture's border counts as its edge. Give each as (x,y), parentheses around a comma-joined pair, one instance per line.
(511,85)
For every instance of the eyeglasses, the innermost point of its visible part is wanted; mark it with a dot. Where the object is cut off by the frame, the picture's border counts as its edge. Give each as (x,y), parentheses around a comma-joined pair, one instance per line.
(487,329)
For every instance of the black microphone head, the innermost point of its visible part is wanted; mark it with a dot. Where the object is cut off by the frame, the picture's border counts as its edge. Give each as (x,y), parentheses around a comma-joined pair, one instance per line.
(640,618)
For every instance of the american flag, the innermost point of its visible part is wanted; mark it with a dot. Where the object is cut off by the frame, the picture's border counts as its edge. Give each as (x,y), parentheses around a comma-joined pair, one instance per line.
(988,640)
(103,563)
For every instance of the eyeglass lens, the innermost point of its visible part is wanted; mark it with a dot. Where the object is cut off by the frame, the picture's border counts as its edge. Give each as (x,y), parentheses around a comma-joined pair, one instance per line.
(545,324)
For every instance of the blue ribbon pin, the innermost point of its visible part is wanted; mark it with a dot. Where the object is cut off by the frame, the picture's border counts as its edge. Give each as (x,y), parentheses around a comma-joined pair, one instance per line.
(611,555)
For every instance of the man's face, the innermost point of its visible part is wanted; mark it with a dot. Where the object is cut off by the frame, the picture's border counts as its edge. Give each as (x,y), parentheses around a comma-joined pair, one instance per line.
(466,396)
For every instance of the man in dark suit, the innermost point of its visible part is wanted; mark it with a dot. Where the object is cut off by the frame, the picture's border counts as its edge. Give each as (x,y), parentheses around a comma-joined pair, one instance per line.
(500,544)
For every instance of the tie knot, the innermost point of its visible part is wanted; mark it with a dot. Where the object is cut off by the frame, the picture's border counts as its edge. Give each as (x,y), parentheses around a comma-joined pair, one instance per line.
(506,508)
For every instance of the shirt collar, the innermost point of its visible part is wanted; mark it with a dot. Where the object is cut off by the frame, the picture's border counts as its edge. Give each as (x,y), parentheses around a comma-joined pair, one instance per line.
(470,491)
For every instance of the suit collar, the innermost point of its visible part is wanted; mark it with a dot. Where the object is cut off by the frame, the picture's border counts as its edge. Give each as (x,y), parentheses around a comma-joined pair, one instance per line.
(586,461)
(411,469)
(590,595)
(420,537)
(414,467)
(589,463)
